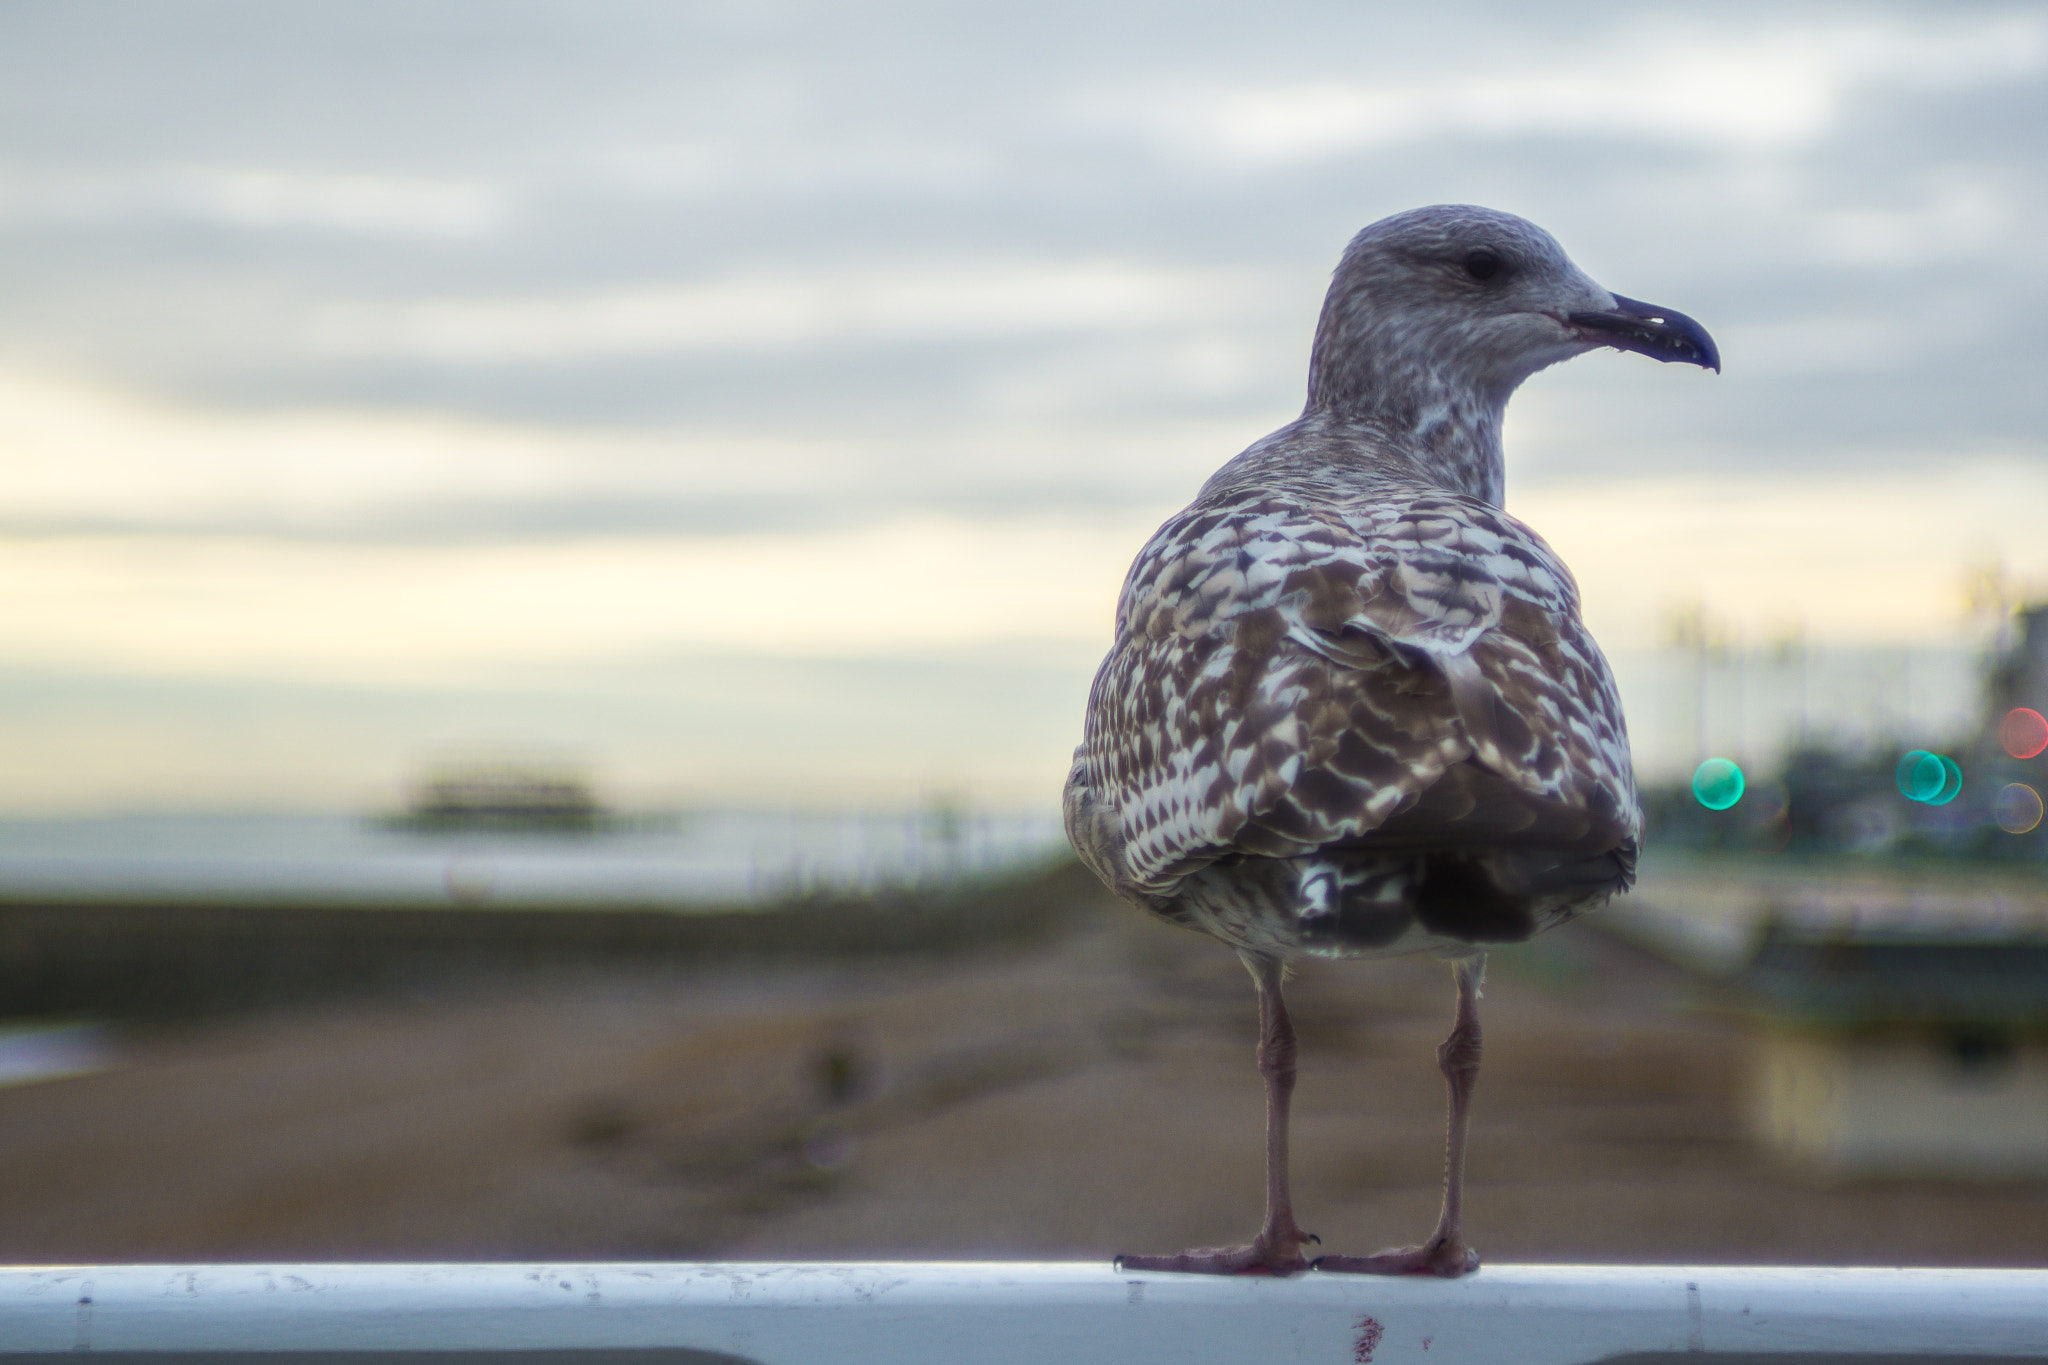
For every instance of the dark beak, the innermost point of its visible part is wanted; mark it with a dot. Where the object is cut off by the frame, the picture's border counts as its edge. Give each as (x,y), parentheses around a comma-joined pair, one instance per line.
(1659,333)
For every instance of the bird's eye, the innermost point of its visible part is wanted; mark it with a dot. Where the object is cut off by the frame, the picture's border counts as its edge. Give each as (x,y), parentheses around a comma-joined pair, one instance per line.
(1482,264)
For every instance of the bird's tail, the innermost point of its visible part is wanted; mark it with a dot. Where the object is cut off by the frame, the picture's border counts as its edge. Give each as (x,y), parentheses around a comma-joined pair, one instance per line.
(1357,901)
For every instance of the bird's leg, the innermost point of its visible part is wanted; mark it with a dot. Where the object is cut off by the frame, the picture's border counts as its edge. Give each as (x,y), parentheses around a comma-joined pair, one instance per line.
(1445,1253)
(1279,1238)
(1277,1248)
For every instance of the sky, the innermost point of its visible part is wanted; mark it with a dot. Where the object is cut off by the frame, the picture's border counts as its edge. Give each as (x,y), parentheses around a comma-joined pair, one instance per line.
(760,403)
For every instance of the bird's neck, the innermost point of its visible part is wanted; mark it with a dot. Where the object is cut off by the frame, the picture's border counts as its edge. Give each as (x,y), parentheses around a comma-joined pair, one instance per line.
(1449,433)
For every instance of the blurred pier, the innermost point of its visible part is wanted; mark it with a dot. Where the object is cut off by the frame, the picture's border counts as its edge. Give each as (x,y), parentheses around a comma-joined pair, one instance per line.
(685,860)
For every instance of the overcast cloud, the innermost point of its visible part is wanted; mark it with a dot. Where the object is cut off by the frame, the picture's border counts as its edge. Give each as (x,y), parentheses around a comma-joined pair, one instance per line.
(348,304)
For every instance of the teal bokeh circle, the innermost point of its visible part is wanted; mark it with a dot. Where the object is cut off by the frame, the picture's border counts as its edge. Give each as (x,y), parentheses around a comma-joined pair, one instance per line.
(1951,781)
(1921,776)
(1717,784)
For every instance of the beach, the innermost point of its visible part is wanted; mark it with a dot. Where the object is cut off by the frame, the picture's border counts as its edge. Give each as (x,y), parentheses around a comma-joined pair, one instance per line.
(1087,1093)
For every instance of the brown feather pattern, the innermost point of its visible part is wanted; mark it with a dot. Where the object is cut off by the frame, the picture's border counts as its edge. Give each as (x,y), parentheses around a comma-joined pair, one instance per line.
(1351,706)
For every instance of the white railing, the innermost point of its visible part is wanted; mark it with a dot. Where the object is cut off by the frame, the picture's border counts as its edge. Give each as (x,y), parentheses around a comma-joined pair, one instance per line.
(1030,1314)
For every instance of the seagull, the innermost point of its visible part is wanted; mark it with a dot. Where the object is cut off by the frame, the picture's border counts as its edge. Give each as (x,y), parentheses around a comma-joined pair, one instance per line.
(1351,709)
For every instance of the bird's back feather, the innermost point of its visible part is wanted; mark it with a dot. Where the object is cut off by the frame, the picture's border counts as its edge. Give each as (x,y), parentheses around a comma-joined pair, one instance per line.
(1339,706)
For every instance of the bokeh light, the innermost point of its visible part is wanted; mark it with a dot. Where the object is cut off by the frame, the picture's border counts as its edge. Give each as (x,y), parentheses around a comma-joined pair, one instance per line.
(2023,733)
(1921,776)
(1951,781)
(1717,783)
(2017,808)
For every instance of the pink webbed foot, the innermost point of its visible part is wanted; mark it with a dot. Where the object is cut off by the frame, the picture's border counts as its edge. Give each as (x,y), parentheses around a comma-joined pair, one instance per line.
(1445,1257)
(1282,1256)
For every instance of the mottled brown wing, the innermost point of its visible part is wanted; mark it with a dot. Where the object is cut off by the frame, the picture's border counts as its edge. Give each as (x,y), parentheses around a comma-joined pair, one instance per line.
(1287,677)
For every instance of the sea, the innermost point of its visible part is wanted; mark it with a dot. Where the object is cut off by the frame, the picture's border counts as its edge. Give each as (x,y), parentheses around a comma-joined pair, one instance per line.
(691,860)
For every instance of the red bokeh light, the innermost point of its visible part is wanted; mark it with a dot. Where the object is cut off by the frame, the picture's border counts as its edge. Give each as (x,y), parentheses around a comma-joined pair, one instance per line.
(2024,732)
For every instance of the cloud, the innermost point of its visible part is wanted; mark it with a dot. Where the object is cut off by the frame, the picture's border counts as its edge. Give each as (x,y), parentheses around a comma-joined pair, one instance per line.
(783,311)
(1865,559)
(75,453)
(79,458)
(709,728)
(1949,218)
(821,334)
(253,199)
(1852,557)
(381,614)
(1780,87)
(1854,344)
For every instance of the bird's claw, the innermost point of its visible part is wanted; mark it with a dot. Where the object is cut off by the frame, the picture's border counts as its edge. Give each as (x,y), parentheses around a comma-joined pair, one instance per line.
(1257,1258)
(1445,1258)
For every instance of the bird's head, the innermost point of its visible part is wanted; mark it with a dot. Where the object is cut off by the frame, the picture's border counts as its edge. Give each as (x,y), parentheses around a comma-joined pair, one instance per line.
(1455,301)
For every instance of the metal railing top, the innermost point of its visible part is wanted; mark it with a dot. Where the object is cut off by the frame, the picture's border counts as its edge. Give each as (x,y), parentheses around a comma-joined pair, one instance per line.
(999,1312)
